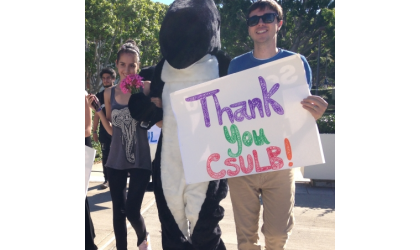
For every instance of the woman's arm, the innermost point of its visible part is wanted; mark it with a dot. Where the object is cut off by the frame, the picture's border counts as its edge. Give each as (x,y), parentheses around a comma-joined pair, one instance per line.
(159,123)
(88,117)
(146,88)
(105,120)
(107,100)
(95,127)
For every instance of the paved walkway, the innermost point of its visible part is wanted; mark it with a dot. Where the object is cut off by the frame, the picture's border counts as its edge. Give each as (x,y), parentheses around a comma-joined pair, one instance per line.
(314,215)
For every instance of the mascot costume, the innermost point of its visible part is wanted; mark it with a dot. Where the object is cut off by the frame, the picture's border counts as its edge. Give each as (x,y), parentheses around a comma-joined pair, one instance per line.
(190,44)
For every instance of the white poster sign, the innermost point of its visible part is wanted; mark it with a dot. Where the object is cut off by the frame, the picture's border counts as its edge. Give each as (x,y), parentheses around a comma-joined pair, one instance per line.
(89,159)
(247,123)
(153,134)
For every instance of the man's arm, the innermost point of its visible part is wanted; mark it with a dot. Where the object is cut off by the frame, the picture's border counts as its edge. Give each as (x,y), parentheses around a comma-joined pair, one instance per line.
(316,105)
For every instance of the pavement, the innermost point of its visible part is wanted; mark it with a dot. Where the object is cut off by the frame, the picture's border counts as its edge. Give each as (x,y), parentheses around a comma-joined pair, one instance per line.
(314,212)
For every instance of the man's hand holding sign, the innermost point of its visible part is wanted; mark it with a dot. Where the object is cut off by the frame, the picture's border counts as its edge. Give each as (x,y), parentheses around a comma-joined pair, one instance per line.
(315,105)
(249,122)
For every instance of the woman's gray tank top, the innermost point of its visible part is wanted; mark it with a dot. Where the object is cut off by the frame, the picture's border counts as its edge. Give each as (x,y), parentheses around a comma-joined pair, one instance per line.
(129,144)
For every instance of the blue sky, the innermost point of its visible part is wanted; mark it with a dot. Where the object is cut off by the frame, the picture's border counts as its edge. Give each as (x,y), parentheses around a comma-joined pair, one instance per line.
(168,2)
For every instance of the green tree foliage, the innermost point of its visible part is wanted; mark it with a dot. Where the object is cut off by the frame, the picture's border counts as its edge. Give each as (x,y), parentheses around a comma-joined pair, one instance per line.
(326,124)
(109,23)
(303,22)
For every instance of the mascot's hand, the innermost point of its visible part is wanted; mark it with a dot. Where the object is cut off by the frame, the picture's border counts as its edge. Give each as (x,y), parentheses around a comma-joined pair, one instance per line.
(141,108)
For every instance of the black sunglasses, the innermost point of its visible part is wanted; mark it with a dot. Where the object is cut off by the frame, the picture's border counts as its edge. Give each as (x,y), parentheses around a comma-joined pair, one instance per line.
(266,18)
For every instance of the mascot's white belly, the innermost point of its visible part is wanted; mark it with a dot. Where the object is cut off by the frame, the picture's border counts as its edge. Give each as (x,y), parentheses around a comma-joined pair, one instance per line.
(184,201)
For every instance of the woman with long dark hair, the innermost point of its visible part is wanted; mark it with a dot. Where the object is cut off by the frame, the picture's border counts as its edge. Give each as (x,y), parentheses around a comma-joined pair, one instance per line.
(129,152)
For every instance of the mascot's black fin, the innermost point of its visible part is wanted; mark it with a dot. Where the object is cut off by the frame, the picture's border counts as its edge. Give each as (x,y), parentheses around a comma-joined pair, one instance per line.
(140,106)
(156,87)
(142,109)
(147,73)
(224,60)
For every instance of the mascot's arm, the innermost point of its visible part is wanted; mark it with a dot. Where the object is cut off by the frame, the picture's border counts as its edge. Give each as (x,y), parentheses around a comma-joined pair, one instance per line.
(224,60)
(156,88)
(141,107)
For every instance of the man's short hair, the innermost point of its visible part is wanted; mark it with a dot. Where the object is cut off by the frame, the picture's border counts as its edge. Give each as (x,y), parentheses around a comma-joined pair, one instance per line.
(263,4)
(108,71)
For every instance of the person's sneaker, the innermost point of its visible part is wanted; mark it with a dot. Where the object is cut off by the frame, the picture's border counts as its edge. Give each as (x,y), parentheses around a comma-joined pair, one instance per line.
(104,185)
(146,244)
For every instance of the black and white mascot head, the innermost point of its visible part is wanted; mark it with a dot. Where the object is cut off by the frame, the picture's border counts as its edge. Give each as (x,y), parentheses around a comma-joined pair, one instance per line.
(190,44)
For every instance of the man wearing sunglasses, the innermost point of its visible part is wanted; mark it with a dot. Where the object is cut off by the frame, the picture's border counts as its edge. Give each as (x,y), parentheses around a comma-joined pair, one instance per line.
(108,76)
(277,189)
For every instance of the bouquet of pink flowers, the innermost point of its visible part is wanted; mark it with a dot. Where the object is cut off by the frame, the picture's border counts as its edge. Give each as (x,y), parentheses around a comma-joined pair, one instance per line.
(131,84)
